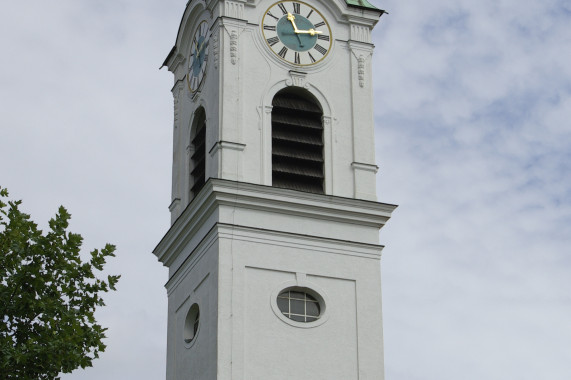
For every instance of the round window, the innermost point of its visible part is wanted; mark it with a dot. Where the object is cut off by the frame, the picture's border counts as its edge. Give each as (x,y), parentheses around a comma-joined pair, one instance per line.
(191,323)
(299,305)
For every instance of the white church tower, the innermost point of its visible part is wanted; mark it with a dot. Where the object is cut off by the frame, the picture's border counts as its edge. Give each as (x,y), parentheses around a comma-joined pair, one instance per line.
(273,252)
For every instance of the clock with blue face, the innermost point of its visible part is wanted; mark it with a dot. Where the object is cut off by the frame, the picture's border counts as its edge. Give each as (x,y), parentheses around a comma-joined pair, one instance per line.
(198,57)
(297,32)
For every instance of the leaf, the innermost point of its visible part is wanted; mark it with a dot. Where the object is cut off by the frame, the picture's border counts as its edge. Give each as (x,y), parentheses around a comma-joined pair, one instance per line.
(48,296)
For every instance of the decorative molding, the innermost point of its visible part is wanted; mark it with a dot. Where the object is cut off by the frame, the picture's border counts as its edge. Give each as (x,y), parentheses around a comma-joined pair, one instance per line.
(297,79)
(226,145)
(301,279)
(314,243)
(234,47)
(191,260)
(234,9)
(361,70)
(179,59)
(271,201)
(362,53)
(361,33)
(176,91)
(215,50)
(174,204)
(175,121)
(365,167)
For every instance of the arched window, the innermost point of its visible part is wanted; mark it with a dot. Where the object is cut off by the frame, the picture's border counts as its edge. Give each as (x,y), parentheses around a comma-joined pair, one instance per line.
(198,142)
(297,141)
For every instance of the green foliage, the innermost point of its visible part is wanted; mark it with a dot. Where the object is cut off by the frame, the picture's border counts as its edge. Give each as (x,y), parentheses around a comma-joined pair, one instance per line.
(48,296)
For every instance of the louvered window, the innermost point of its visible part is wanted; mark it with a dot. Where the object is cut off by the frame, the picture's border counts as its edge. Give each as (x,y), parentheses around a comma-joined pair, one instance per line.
(297,143)
(198,155)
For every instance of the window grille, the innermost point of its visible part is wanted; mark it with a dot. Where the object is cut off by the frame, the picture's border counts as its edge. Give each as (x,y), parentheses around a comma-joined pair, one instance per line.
(299,306)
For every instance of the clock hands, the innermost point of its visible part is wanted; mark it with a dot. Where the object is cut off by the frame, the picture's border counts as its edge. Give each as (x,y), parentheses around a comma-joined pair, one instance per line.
(199,47)
(198,57)
(291,19)
(298,36)
(198,51)
(311,32)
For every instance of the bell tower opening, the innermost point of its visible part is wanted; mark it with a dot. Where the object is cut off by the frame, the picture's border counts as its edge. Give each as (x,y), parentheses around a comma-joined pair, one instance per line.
(198,149)
(297,141)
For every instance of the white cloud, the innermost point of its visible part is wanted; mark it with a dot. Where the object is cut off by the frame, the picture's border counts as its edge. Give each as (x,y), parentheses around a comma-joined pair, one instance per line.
(473,141)
(473,138)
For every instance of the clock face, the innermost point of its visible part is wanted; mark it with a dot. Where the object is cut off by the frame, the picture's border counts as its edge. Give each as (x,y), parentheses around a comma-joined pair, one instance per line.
(297,32)
(198,57)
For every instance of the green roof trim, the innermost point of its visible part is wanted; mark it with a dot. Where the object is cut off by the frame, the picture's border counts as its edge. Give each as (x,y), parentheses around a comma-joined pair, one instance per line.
(362,4)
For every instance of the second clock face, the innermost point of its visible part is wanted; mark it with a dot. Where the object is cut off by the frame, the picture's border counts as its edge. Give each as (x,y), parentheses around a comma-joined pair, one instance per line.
(297,32)
(198,57)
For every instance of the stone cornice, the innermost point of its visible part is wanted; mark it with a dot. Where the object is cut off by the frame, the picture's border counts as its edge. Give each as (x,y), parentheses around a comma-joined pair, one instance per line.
(219,196)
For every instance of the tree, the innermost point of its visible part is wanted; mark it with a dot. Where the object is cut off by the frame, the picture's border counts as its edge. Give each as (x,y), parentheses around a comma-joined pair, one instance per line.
(48,296)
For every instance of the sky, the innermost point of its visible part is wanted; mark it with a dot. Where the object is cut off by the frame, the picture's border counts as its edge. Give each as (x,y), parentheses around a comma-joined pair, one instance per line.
(473,137)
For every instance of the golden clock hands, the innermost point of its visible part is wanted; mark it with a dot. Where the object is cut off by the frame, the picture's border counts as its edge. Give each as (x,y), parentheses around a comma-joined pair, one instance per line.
(201,47)
(198,50)
(291,18)
(311,32)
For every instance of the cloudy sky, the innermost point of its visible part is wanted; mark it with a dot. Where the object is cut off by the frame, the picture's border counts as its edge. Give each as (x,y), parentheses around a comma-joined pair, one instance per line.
(473,139)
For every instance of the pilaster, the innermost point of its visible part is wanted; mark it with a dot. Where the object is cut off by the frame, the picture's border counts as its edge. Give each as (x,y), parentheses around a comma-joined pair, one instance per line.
(363,117)
(228,148)
(178,152)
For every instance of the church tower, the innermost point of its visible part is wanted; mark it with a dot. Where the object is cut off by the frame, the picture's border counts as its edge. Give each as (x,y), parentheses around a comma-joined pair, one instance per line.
(274,253)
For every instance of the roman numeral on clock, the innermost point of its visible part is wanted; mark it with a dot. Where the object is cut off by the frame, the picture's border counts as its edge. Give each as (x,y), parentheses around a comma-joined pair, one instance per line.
(271,15)
(283,8)
(278,29)
(296,8)
(320,49)
(272,41)
(283,52)
(311,57)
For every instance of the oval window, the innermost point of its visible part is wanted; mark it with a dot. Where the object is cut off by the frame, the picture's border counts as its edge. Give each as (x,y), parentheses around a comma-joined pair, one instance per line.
(299,305)
(191,323)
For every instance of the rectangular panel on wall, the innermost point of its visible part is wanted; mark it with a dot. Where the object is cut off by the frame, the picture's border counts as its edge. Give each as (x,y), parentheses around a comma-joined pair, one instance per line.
(277,350)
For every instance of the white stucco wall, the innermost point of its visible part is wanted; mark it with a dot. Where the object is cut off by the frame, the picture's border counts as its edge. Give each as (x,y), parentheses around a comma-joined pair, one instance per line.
(240,84)
(235,248)
(240,241)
